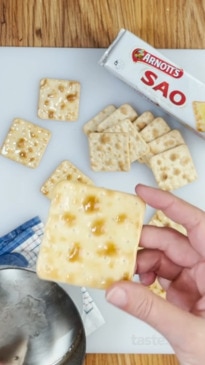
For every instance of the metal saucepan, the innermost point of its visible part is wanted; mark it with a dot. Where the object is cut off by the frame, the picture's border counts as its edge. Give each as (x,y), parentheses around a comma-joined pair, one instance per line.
(38,320)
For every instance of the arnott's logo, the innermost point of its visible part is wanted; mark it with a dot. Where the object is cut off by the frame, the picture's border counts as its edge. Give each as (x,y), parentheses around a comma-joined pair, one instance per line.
(140,55)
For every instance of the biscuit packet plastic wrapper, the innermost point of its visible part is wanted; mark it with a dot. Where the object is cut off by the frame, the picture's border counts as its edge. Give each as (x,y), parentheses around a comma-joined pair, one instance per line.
(163,82)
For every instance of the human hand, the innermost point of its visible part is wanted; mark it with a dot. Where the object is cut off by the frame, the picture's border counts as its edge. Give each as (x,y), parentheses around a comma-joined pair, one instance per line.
(179,263)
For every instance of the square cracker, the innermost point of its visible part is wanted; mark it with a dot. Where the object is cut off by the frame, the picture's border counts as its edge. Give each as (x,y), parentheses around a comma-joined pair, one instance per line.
(59,99)
(125,111)
(157,289)
(91,236)
(159,219)
(156,128)
(65,171)
(173,168)
(91,125)
(164,143)
(142,120)
(25,142)
(199,113)
(138,147)
(109,151)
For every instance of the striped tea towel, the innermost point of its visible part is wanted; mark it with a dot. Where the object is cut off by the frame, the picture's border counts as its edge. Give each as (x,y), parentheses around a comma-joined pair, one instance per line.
(91,316)
(20,247)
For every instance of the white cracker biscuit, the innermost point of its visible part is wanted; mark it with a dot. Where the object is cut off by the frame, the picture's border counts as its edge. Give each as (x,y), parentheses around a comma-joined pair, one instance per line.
(91,125)
(142,120)
(173,168)
(163,143)
(199,113)
(159,219)
(157,289)
(156,128)
(125,111)
(109,151)
(91,238)
(138,147)
(65,171)
(59,99)
(25,143)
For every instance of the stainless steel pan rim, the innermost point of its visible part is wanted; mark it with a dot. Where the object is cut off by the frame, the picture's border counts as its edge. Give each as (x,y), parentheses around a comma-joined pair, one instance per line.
(42,312)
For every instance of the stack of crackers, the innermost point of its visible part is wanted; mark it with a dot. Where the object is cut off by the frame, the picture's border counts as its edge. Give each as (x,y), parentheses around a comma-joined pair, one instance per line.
(114,142)
(117,137)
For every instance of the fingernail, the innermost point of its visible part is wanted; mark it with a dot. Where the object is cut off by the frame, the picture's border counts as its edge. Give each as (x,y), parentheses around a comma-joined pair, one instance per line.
(117,297)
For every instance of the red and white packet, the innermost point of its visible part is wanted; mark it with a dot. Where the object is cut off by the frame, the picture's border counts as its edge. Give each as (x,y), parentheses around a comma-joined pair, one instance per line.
(164,83)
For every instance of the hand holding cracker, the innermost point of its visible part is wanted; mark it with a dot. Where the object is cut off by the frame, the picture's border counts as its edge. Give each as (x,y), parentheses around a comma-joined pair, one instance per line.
(178,261)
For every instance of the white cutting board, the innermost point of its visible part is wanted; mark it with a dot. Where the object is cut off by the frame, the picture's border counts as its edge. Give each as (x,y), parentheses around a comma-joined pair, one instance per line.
(20,197)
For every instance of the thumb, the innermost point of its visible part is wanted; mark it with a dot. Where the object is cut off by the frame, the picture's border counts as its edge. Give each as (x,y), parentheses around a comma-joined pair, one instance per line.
(172,322)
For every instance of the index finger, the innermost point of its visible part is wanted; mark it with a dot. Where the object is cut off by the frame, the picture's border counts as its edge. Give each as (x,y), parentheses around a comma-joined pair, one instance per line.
(191,217)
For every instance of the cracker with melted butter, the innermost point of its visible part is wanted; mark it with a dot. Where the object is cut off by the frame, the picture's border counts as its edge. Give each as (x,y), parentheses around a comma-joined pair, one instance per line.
(25,143)
(91,236)
(59,99)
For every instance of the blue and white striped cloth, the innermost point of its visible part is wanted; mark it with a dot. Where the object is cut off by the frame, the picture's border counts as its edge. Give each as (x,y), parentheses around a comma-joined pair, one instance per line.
(20,247)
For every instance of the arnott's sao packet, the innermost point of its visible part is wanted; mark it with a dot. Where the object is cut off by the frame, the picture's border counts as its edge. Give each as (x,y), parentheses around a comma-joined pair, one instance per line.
(145,69)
